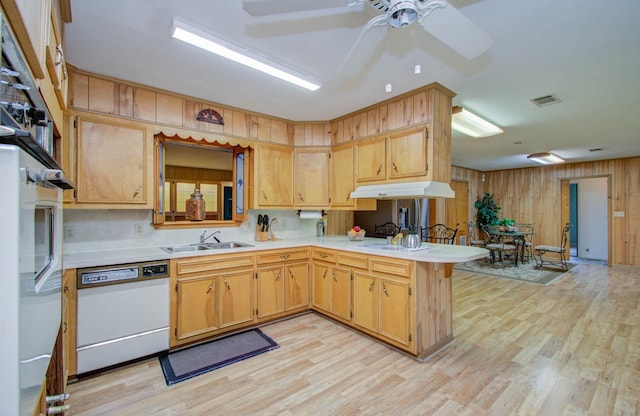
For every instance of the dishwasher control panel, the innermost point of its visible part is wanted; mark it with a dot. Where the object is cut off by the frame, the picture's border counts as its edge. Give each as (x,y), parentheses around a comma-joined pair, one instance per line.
(121,273)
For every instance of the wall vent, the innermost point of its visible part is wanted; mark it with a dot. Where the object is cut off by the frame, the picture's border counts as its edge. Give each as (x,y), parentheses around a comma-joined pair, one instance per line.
(597,149)
(545,100)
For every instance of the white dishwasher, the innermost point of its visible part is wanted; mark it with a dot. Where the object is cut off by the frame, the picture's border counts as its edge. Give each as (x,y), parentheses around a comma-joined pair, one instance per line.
(123,313)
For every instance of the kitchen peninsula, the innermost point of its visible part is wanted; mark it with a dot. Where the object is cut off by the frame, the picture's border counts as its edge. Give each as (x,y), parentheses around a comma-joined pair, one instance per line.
(396,295)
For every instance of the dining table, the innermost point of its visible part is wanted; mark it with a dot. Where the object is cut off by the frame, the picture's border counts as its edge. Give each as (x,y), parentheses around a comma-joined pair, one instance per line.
(519,238)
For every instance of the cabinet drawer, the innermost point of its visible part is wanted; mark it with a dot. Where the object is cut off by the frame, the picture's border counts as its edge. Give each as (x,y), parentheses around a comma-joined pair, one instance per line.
(281,255)
(191,265)
(391,266)
(324,255)
(353,260)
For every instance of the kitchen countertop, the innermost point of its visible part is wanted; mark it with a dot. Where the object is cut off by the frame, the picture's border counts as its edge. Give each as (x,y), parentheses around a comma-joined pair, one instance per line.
(435,253)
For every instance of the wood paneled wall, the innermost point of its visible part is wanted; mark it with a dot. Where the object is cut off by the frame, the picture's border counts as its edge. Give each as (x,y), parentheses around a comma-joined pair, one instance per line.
(534,195)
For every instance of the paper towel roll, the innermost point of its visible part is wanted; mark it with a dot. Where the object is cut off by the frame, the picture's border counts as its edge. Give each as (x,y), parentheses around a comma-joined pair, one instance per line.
(310,215)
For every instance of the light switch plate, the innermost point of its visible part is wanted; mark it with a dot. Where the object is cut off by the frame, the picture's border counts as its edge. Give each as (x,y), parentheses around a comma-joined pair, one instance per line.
(618,214)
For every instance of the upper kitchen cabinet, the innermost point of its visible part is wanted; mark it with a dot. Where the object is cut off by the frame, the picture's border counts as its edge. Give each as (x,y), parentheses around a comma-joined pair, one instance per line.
(310,178)
(399,155)
(38,28)
(343,180)
(114,163)
(273,172)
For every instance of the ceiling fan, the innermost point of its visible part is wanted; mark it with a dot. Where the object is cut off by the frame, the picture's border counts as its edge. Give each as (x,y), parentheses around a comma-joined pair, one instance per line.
(437,17)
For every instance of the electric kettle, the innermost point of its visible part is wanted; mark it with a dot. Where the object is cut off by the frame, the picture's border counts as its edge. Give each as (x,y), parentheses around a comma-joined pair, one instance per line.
(412,239)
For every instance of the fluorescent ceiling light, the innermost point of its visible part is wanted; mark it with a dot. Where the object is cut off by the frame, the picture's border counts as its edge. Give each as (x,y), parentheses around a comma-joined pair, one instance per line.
(472,125)
(545,158)
(209,42)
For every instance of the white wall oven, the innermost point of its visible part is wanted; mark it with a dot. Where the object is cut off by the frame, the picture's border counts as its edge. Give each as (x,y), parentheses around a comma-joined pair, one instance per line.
(30,235)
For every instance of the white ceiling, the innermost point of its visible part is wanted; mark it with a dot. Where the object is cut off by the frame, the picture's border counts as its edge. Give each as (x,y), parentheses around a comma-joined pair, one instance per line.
(586,52)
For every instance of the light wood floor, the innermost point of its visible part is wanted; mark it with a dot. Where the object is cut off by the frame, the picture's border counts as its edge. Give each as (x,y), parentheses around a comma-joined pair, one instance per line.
(570,348)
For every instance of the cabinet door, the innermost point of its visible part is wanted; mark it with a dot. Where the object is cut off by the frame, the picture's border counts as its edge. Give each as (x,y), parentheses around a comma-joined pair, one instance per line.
(235,302)
(111,163)
(393,297)
(365,301)
(69,311)
(408,154)
(341,293)
(370,160)
(311,174)
(321,278)
(270,291)
(196,306)
(274,177)
(342,180)
(297,277)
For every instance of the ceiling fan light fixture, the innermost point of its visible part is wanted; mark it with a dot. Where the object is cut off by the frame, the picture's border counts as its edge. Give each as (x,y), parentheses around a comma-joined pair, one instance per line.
(402,13)
(220,47)
(465,122)
(545,158)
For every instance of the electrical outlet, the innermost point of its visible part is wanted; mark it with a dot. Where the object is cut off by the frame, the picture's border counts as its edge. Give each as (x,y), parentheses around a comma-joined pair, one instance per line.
(68,231)
(139,229)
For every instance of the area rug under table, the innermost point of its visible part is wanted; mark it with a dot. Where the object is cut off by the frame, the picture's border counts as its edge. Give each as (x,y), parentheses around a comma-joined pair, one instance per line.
(193,361)
(525,271)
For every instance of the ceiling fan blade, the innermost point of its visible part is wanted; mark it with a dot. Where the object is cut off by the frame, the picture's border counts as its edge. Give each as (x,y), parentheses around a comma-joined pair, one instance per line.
(269,7)
(362,49)
(457,32)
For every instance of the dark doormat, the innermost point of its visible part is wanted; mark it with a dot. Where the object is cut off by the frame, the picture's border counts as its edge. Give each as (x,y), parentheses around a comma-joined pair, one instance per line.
(190,362)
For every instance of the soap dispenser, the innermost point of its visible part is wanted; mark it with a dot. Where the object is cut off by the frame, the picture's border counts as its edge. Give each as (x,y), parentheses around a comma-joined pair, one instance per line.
(320,228)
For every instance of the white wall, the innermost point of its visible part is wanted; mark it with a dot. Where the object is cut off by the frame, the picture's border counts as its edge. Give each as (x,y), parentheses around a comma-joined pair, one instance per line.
(90,230)
(592,218)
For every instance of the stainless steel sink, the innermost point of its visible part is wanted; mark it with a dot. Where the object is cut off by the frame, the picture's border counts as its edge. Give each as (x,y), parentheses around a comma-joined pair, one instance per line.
(204,247)
(227,244)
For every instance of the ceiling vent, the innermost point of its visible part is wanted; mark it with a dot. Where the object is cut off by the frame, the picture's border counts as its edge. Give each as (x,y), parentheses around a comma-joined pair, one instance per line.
(545,100)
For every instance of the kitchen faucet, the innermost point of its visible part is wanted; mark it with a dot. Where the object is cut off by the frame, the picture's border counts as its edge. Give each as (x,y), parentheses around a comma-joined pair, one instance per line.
(204,237)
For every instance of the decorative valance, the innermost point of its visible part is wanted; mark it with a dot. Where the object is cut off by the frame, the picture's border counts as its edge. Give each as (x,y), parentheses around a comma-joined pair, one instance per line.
(198,136)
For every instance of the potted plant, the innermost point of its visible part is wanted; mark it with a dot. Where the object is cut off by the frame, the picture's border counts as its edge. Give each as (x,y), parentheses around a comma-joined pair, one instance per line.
(487,207)
(507,224)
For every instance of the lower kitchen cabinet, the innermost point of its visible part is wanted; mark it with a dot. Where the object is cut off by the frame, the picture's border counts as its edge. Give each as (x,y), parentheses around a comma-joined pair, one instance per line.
(210,295)
(382,301)
(331,285)
(282,282)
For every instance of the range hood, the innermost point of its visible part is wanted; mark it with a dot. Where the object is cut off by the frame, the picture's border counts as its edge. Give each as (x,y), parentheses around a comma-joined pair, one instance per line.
(405,190)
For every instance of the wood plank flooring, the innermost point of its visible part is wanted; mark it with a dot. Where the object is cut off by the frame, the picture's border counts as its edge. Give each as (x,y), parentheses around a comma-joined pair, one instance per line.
(569,348)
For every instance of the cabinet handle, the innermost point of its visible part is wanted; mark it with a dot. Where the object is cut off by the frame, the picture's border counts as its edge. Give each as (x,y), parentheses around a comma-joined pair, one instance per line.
(291,274)
(323,256)
(136,192)
(371,286)
(284,256)
(227,283)
(334,278)
(379,169)
(300,197)
(384,289)
(264,196)
(65,327)
(394,166)
(348,196)
(324,275)
(210,287)
(66,289)
(278,277)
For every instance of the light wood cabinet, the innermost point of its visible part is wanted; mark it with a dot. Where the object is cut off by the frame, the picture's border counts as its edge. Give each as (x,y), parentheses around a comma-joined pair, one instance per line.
(342,178)
(382,300)
(331,285)
(210,295)
(114,164)
(282,282)
(274,177)
(311,174)
(69,310)
(400,155)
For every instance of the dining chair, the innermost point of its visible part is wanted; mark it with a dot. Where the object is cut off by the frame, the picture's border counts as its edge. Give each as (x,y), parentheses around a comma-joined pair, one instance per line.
(439,233)
(473,238)
(388,229)
(495,244)
(526,241)
(560,250)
